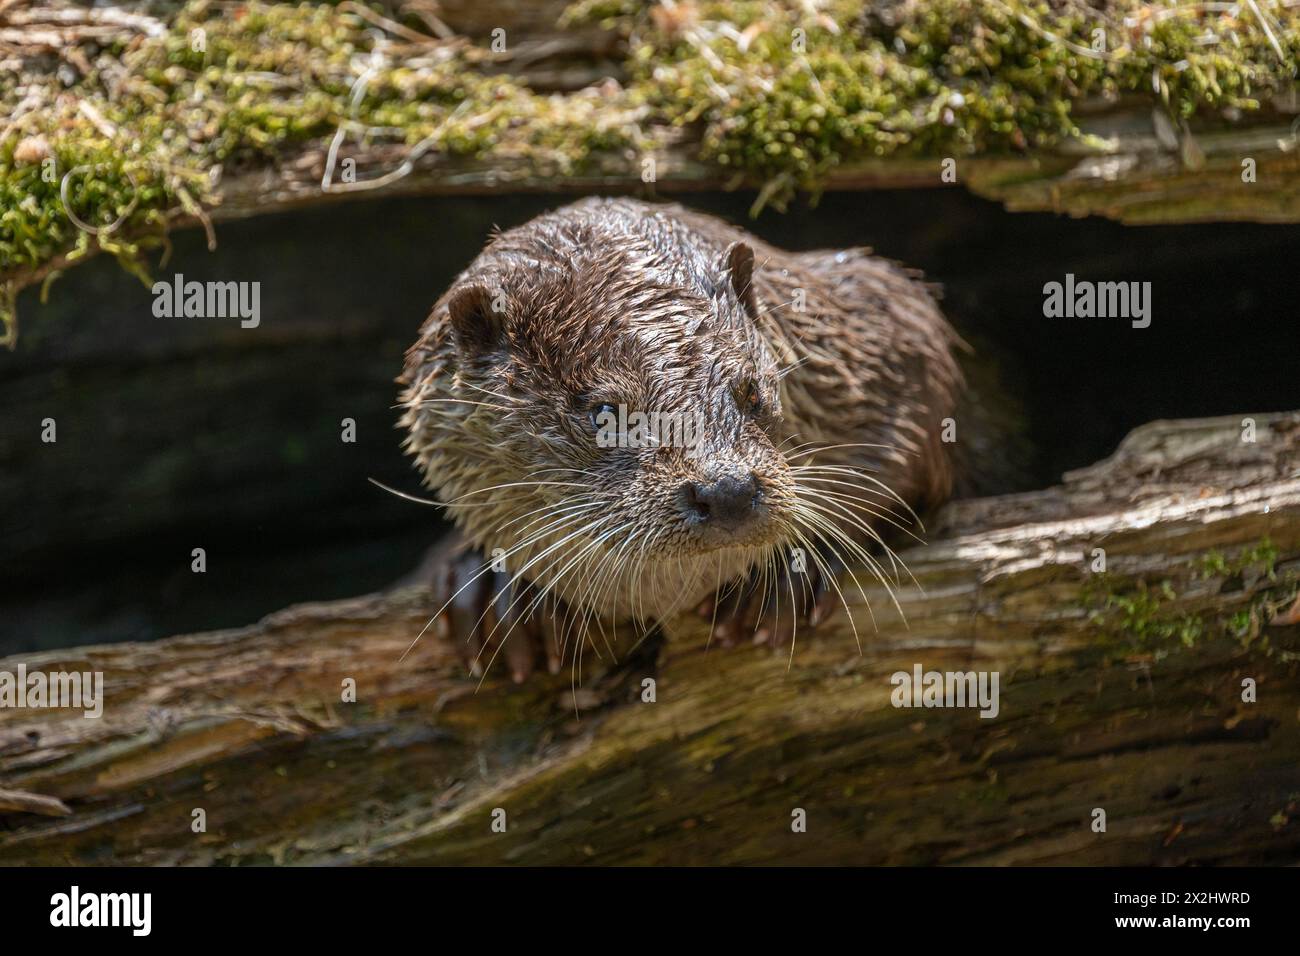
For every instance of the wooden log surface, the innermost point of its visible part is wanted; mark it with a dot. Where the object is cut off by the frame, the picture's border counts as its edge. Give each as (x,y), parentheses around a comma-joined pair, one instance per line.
(1121,167)
(1121,691)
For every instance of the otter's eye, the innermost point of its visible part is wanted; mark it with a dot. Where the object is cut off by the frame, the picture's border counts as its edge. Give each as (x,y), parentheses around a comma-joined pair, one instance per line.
(747,397)
(600,413)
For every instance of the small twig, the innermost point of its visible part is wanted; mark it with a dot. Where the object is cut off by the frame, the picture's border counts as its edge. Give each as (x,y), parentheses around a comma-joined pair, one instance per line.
(426,11)
(24,802)
(386,24)
(75,16)
(1048,34)
(407,165)
(97,119)
(84,226)
(1268,30)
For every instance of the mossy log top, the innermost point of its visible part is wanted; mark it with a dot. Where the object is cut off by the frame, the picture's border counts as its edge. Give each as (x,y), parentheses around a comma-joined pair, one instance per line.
(120,124)
(1121,690)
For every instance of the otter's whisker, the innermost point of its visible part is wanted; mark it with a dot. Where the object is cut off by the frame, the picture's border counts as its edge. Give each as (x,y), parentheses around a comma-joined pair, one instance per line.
(717,599)
(509,585)
(404,495)
(481,571)
(794,624)
(615,577)
(830,520)
(840,514)
(567,504)
(825,570)
(456,502)
(547,551)
(892,517)
(840,511)
(848,444)
(896,561)
(505,398)
(837,511)
(862,486)
(824,528)
(783,372)
(515,484)
(770,593)
(583,601)
(819,528)
(552,581)
(861,476)
(425,402)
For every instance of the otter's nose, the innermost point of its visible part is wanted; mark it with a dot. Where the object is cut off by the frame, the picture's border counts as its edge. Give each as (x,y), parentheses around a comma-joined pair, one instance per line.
(726,502)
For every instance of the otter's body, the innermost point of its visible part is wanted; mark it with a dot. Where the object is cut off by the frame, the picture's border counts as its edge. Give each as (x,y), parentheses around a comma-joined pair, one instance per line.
(821,380)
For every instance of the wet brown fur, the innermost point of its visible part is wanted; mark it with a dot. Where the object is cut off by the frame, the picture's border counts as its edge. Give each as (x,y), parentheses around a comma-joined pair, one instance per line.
(648,305)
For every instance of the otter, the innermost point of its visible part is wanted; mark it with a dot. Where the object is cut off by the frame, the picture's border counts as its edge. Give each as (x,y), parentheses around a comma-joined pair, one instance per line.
(816,384)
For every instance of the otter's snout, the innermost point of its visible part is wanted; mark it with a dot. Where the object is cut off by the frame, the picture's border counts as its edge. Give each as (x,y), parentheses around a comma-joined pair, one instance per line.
(727,503)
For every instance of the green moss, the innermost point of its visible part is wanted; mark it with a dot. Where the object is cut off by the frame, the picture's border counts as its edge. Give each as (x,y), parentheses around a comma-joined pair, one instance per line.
(788,91)
(1262,558)
(782,92)
(1141,616)
(238,91)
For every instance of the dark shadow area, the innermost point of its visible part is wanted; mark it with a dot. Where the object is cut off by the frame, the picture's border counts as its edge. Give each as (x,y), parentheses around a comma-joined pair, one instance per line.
(175,434)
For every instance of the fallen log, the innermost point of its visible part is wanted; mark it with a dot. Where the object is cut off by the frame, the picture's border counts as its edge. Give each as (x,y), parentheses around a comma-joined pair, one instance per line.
(1133,614)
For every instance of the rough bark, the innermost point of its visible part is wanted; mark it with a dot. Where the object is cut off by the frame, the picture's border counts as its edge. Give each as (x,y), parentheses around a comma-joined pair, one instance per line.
(1102,706)
(1138,177)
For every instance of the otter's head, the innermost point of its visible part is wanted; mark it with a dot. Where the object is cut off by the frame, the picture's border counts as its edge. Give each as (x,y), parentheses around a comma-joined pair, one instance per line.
(609,417)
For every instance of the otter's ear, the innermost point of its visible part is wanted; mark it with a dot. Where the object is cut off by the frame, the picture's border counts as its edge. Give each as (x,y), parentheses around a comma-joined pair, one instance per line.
(738,261)
(476,325)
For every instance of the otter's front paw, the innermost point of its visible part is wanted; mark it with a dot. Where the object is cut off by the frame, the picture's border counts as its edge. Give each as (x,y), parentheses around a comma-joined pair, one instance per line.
(487,616)
(771,607)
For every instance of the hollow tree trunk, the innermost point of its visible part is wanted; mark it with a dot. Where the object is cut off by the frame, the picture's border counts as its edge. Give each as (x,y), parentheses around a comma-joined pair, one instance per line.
(1120,690)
